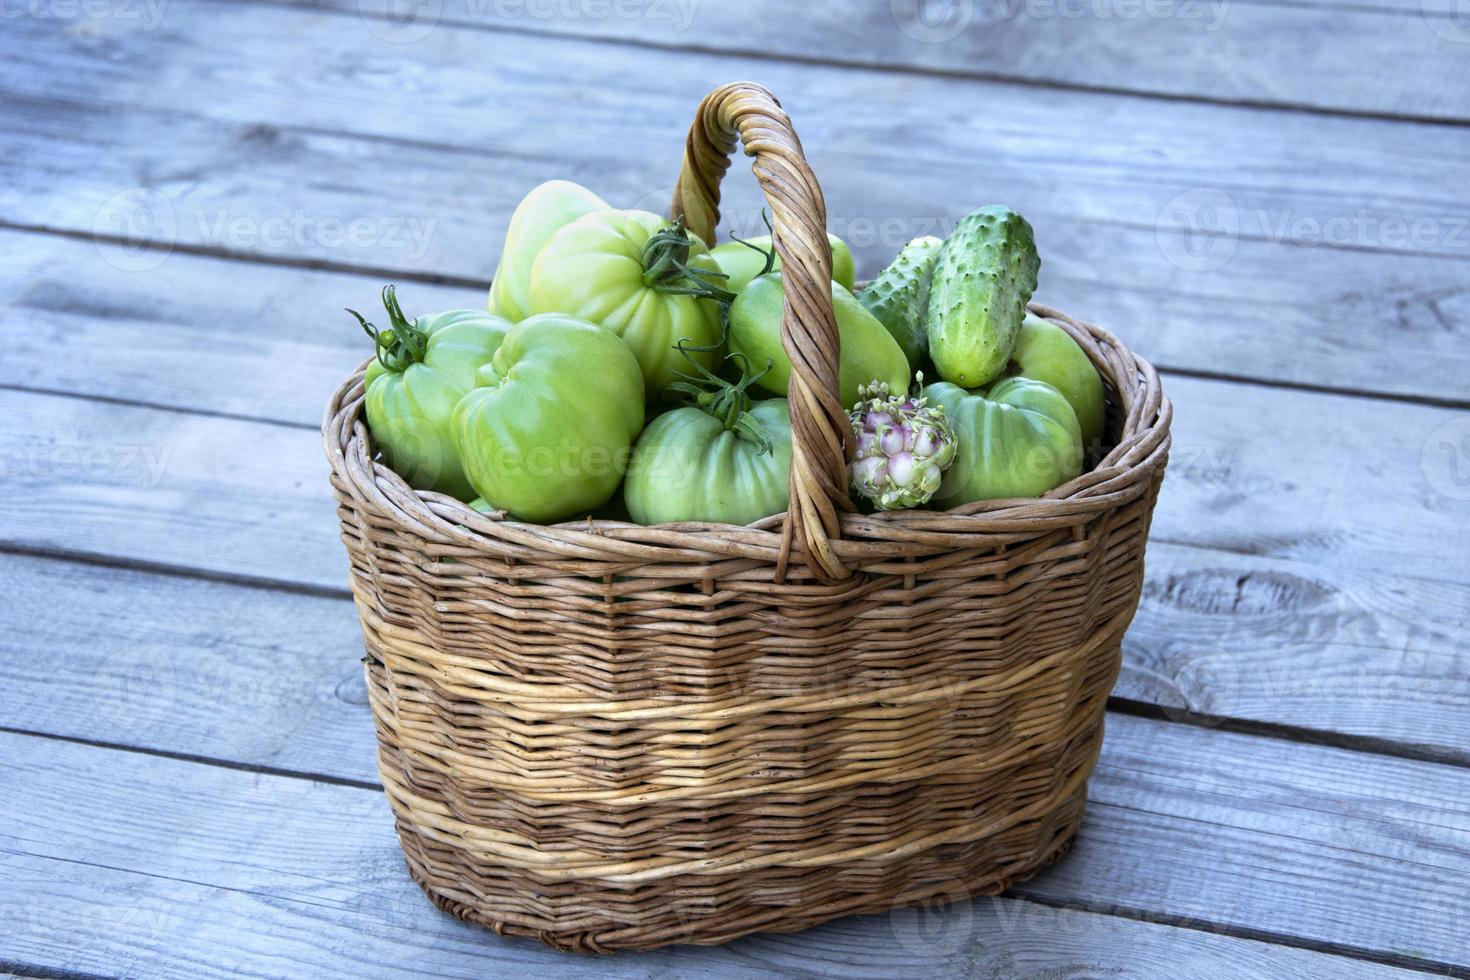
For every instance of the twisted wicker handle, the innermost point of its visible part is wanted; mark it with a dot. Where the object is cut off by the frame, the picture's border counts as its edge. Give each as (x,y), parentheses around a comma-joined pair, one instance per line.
(820,430)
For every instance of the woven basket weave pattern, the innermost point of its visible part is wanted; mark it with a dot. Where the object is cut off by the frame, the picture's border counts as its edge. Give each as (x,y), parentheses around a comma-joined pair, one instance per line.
(612,737)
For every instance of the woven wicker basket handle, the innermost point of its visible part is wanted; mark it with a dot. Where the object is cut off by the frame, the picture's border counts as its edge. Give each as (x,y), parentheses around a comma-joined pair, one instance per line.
(821,432)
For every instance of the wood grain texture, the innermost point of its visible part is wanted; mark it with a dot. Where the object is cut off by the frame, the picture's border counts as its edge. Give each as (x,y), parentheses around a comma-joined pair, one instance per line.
(1218,634)
(1322,232)
(1394,59)
(185,334)
(255,677)
(1205,799)
(204,871)
(168,487)
(1332,649)
(1310,612)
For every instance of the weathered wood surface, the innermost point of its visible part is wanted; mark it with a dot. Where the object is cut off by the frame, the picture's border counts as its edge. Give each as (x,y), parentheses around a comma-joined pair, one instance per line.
(1337,609)
(307,876)
(1123,193)
(101,479)
(1306,568)
(1394,58)
(1338,652)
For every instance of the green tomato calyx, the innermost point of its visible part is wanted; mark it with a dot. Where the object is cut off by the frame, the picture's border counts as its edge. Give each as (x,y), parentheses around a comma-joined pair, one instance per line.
(403,343)
(666,267)
(725,401)
(769,254)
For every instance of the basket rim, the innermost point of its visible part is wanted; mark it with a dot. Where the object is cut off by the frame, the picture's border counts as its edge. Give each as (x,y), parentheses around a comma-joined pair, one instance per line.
(867,542)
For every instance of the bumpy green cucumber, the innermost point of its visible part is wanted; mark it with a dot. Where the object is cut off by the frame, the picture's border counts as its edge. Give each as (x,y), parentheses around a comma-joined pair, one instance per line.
(899,296)
(978,291)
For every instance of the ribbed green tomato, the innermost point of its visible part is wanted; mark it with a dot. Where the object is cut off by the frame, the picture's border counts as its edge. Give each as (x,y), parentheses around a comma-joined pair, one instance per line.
(630,272)
(742,263)
(423,367)
(1019,439)
(690,466)
(1046,352)
(867,353)
(548,433)
(541,213)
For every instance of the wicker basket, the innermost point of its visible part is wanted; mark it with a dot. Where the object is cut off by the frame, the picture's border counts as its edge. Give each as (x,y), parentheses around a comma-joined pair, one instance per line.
(613,737)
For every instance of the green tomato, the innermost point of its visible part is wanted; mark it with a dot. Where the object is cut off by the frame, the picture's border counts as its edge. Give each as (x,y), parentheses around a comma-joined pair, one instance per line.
(742,263)
(422,369)
(547,434)
(545,209)
(868,353)
(1046,352)
(606,267)
(690,466)
(1019,439)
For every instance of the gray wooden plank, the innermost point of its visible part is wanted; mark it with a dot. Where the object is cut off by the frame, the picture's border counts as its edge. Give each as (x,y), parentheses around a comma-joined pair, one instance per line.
(202,871)
(1334,244)
(1321,479)
(184,334)
(1376,58)
(1337,624)
(1322,647)
(255,677)
(1255,824)
(180,665)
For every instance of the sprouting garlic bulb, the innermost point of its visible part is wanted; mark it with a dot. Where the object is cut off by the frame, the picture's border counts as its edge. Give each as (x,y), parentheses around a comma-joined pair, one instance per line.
(904,446)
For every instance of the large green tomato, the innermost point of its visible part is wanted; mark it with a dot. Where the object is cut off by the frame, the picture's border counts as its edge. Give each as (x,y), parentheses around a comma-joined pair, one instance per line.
(690,466)
(868,352)
(1046,352)
(423,367)
(627,270)
(1019,439)
(548,434)
(743,263)
(541,212)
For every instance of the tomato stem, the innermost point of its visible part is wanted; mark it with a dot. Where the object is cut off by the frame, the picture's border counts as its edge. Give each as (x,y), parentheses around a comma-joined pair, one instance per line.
(725,401)
(403,343)
(769,253)
(666,267)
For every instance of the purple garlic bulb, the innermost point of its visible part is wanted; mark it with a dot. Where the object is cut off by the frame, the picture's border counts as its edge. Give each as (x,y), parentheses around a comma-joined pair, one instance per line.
(904,445)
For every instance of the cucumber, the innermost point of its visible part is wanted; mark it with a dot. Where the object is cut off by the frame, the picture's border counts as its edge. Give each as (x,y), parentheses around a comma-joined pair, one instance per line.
(899,296)
(982,279)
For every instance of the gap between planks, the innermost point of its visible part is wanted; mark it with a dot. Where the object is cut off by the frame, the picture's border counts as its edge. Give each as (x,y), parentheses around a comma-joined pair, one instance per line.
(928,71)
(219,254)
(1037,892)
(1117,704)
